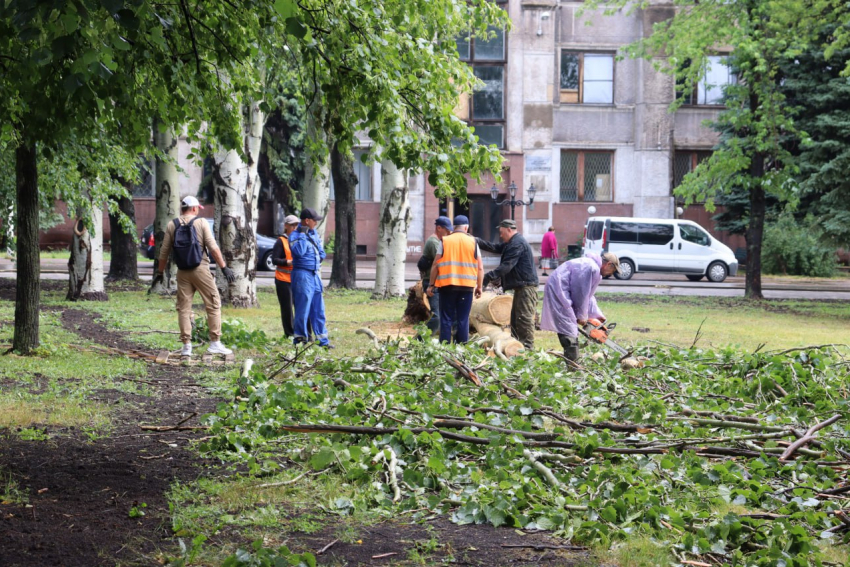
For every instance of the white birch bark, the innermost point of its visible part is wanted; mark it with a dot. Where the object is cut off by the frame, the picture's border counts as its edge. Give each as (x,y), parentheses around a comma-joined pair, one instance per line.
(392,235)
(236,186)
(316,190)
(167,193)
(85,266)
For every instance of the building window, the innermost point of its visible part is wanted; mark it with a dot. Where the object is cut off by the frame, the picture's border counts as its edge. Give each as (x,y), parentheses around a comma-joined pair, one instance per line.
(586,176)
(709,90)
(485,109)
(363,171)
(684,162)
(587,78)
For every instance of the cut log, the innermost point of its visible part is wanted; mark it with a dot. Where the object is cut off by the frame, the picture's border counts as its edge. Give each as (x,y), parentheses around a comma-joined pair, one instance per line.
(491,308)
(500,340)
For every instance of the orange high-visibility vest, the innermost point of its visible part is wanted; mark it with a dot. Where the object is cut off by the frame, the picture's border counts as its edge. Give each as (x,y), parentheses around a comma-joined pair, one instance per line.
(458,265)
(284,273)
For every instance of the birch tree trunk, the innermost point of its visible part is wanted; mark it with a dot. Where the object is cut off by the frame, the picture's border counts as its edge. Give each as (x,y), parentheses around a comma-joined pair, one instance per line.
(316,190)
(167,199)
(85,266)
(392,236)
(236,186)
(344,268)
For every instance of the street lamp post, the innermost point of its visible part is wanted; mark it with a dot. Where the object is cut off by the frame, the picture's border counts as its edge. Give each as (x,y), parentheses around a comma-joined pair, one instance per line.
(513,201)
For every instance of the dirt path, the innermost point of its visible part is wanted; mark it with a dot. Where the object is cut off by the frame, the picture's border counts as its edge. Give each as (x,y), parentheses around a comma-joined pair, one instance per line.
(81,491)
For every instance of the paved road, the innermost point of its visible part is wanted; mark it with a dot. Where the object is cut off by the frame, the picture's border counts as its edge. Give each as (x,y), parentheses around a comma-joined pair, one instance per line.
(647,284)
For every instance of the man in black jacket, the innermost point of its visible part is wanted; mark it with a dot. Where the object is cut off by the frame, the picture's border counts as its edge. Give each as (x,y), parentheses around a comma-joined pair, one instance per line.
(518,273)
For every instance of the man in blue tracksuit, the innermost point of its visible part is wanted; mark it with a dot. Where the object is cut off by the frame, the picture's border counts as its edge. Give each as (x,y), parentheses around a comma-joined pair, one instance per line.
(307,256)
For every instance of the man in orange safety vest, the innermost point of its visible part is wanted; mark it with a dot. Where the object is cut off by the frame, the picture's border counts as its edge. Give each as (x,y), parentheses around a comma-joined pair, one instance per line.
(458,272)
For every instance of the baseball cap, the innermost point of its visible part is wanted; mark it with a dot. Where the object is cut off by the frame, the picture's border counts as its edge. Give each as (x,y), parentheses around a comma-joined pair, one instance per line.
(507,223)
(461,219)
(191,202)
(612,258)
(444,222)
(310,213)
(291,219)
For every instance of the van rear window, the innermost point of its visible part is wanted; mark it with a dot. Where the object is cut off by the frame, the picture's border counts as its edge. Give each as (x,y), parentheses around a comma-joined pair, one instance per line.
(594,230)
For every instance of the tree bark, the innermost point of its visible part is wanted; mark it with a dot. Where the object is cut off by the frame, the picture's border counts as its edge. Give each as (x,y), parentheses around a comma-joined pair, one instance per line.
(124,264)
(167,199)
(392,236)
(344,267)
(27,285)
(316,190)
(85,266)
(237,191)
(755,230)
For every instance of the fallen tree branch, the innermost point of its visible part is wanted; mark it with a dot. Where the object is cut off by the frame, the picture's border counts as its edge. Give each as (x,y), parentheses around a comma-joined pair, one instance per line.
(464,370)
(808,437)
(730,424)
(541,546)
(369,333)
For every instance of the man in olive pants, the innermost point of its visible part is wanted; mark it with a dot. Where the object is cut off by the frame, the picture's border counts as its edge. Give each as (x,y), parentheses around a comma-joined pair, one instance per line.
(518,273)
(198,278)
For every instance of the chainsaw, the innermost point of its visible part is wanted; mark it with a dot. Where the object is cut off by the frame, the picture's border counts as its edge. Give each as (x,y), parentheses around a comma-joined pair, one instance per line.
(588,327)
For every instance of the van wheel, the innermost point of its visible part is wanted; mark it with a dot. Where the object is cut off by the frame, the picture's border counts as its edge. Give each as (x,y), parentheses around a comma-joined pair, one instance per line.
(694,278)
(717,272)
(627,270)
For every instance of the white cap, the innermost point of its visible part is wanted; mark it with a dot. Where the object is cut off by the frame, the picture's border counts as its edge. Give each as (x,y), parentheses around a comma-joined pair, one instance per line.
(291,219)
(190,201)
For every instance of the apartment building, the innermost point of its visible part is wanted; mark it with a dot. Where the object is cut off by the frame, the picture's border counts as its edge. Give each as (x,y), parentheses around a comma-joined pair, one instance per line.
(581,125)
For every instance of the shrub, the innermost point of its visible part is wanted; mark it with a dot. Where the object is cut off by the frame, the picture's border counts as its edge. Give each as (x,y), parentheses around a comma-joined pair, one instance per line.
(794,248)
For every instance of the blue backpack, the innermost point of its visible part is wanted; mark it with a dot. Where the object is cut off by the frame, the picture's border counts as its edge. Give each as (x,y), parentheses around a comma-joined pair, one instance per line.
(188,252)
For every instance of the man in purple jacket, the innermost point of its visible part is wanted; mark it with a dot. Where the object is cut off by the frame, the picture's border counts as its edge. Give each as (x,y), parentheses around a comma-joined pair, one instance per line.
(568,299)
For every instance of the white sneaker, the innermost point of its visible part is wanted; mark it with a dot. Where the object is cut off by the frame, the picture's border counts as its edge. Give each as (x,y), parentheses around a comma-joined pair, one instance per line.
(217,348)
(187,349)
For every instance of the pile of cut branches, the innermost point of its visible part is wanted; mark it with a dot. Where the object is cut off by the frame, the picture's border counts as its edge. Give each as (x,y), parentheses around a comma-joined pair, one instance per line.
(724,457)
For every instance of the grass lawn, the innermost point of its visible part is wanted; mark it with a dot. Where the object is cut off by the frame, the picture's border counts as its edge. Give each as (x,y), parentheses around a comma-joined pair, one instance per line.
(641,319)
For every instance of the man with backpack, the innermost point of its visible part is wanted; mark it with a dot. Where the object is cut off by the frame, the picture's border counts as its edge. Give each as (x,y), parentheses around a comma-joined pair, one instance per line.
(188,240)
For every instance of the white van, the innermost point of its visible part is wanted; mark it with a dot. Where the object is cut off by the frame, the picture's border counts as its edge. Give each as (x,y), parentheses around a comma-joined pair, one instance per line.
(660,245)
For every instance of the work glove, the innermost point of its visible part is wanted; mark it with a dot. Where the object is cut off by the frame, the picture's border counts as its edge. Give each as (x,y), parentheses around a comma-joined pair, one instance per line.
(487,280)
(599,335)
(158,278)
(228,275)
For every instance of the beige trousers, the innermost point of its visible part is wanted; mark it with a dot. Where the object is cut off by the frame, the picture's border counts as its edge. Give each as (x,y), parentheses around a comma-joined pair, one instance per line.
(201,280)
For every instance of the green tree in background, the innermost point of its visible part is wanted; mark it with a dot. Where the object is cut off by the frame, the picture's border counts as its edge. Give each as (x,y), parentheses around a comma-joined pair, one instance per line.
(820,95)
(761,35)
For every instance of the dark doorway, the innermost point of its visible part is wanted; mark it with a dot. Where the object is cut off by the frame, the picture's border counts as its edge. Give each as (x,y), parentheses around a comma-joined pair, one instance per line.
(482,212)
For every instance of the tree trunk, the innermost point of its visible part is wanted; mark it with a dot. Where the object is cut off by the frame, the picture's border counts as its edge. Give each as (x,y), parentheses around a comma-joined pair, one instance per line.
(316,190)
(491,309)
(124,263)
(755,233)
(344,268)
(85,266)
(392,235)
(167,199)
(237,192)
(27,285)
